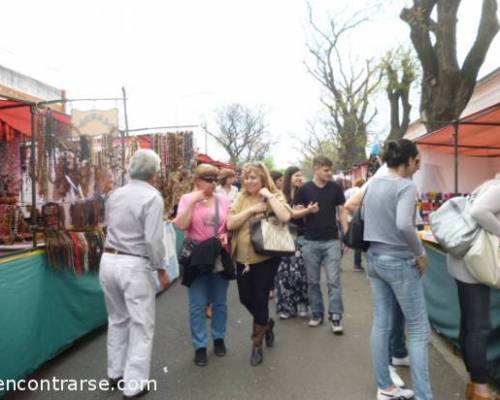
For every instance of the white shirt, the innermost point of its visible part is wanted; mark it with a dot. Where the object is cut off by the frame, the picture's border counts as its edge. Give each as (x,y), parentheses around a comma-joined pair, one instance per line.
(231,195)
(134,216)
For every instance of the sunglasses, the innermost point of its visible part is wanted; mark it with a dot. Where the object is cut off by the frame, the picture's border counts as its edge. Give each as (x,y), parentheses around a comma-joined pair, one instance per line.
(209,179)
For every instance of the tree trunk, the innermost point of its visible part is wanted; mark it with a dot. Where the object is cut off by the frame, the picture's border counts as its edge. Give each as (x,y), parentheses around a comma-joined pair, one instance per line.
(447,88)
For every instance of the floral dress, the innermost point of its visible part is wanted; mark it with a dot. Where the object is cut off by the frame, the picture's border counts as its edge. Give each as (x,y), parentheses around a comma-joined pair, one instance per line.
(291,284)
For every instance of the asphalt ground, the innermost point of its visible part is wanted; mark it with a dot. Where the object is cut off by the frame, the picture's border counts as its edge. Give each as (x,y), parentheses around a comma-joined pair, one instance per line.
(305,363)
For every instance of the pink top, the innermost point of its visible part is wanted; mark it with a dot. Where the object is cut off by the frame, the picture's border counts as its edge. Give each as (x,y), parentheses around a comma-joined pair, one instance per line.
(203,218)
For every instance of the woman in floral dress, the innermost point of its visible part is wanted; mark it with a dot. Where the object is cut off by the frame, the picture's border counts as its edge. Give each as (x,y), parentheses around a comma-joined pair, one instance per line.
(291,278)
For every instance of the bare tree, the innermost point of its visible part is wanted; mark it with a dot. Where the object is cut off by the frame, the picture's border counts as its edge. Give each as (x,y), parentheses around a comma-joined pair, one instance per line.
(447,87)
(399,68)
(320,139)
(242,132)
(348,93)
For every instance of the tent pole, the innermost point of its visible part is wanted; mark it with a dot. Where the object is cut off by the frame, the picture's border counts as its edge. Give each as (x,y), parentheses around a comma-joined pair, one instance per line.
(455,144)
(34,211)
(124,133)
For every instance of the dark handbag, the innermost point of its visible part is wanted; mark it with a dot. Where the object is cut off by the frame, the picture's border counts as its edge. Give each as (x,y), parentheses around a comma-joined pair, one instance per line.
(189,244)
(353,238)
(271,237)
(186,250)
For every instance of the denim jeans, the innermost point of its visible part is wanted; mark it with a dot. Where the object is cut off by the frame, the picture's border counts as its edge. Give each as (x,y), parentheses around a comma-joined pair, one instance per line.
(395,279)
(208,289)
(317,254)
(397,344)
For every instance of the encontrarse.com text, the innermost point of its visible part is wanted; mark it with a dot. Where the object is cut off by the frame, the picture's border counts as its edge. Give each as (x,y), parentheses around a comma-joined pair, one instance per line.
(70,385)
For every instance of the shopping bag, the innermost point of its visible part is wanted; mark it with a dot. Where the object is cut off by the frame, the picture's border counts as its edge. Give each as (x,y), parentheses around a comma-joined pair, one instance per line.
(171,261)
(483,259)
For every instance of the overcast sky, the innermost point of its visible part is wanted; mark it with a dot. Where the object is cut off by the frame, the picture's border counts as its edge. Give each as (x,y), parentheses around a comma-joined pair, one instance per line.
(179,60)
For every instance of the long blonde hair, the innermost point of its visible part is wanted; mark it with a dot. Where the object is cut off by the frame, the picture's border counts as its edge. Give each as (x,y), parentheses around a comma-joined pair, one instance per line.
(260,169)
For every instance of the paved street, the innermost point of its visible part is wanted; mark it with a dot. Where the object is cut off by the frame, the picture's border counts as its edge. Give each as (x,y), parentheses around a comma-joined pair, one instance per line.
(305,363)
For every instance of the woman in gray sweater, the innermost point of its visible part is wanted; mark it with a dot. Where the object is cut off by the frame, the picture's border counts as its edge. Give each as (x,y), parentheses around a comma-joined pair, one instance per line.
(474,298)
(396,261)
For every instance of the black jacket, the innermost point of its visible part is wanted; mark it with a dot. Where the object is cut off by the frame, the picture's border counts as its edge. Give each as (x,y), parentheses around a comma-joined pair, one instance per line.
(202,262)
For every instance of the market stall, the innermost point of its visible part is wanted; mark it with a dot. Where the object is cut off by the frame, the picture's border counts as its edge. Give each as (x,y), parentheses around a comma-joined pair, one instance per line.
(52,189)
(455,160)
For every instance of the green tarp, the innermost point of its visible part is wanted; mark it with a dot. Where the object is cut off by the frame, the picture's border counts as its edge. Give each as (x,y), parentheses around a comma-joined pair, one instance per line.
(42,312)
(444,313)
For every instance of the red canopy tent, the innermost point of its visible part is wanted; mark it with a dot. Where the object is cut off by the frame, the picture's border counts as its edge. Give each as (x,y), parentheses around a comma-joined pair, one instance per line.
(205,159)
(15,118)
(475,135)
(478,136)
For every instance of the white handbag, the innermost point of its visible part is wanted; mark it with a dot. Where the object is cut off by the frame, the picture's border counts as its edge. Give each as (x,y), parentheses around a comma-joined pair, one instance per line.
(483,259)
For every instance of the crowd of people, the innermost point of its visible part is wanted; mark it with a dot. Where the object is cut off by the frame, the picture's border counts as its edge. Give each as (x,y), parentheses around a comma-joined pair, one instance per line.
(218,217)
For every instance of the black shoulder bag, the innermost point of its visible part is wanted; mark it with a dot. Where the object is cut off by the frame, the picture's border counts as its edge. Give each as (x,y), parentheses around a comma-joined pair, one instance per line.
(189,244)
(354,235)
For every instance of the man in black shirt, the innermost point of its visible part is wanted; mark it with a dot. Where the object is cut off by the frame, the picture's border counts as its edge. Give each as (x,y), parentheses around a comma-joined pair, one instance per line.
(322,244)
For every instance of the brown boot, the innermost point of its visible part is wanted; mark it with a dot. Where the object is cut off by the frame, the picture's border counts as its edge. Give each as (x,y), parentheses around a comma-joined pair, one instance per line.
(469,391)
(492,396)
(269,333)
(257,355)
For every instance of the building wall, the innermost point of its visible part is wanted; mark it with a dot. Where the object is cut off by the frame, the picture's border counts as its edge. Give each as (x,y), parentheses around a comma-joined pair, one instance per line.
(15,84)
(437,172)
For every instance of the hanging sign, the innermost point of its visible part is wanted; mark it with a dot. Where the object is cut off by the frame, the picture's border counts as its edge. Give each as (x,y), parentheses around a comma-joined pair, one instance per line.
(95,122)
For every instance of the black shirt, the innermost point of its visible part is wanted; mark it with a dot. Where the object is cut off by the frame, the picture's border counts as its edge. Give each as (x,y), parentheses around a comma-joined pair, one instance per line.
(322,225)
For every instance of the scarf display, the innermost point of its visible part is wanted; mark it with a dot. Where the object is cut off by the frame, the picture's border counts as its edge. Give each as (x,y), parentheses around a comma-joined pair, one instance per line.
(13,226)
(87,213)
(79,252)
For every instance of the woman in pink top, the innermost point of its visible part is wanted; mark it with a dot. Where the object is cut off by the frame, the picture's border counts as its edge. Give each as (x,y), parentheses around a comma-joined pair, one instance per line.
(196,215)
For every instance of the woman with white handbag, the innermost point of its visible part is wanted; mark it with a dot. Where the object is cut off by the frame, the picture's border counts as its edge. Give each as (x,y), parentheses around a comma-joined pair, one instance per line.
(474,296)
(255,272)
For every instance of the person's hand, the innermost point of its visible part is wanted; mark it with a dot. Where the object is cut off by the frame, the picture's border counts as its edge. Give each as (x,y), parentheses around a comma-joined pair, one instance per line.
(164,278)
(422,263)
(224,239)
(298,207)
(258,208)
(313,208)
(198,196)
(264,192)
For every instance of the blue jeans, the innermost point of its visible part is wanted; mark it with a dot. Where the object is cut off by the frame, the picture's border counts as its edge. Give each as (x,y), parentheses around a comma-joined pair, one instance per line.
(208,289)
(394,279)
(323,253)
(397,344)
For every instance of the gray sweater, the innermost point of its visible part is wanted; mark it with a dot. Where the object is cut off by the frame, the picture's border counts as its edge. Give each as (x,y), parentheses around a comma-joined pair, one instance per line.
(486,211)
(389,212)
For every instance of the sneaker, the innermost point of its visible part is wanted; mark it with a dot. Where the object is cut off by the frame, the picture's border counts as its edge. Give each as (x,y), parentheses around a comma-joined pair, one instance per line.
(302,310)
(220,348)
(315,321)
(401,362)
(395,394)
(283,315)
(395,378)
(336,326)
(200,357)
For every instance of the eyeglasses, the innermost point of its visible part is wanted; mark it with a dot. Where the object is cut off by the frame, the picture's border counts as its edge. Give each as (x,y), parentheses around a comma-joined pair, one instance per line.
(209,179)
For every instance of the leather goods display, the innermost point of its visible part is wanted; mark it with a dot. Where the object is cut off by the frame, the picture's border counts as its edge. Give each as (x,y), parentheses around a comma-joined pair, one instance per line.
(271,237)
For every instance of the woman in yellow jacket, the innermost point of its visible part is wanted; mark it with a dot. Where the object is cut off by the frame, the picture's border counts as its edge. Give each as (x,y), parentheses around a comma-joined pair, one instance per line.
(254,272)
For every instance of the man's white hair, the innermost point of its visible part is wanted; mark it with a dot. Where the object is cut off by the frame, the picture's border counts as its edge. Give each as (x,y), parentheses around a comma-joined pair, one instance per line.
(144,164)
